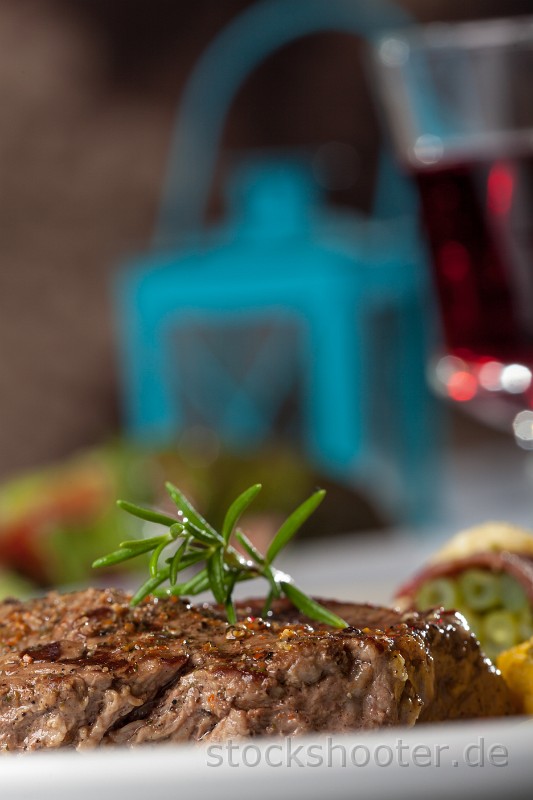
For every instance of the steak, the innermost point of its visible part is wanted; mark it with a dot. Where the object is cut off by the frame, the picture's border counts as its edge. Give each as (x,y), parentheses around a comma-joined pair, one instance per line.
(85,669)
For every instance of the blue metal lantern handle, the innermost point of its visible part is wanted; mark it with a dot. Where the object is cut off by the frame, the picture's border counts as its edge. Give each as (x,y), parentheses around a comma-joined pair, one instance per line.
(237,50)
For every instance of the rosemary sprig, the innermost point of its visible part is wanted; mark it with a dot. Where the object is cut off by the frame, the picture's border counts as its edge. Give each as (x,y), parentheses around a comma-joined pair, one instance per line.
(223,566)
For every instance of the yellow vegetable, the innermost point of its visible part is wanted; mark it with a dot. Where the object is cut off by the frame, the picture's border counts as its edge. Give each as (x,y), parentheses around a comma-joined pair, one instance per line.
(516,666)
(490,537)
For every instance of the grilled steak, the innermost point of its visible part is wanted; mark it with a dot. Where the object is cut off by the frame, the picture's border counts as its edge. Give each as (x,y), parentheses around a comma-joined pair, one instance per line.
(84,669)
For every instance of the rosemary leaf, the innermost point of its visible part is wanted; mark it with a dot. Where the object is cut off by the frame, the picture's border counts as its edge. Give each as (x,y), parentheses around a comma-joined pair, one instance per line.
(175,562)
(154,558)
(190,559)
(215,572)
(177,529)
(268,604)
(142,545)
(206,537)
(275,585)
(187,509)
(231,614)
(236,509)
(292,524)
(198,583)
(230,579)
(237,561)
(248,546)
(149,586)
(146,513)
(117,557)
(310,607)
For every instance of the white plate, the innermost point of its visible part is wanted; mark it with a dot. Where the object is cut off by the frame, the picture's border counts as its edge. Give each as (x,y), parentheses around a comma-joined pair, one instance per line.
(429,761)
(475,760)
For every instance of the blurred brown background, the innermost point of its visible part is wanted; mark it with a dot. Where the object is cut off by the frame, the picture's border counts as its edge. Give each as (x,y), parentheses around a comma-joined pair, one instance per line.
(89,89)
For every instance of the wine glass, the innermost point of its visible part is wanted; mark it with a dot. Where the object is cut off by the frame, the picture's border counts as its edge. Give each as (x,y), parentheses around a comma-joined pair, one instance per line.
(460,110)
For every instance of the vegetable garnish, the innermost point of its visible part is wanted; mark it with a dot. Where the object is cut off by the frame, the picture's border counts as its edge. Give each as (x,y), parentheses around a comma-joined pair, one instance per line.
(198,542)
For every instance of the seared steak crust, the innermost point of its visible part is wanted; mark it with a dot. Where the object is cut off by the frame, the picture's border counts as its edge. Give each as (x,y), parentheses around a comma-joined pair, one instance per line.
(85,668)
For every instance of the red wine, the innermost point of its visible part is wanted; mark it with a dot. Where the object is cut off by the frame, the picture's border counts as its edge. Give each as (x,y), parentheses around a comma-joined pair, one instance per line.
(479,223)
